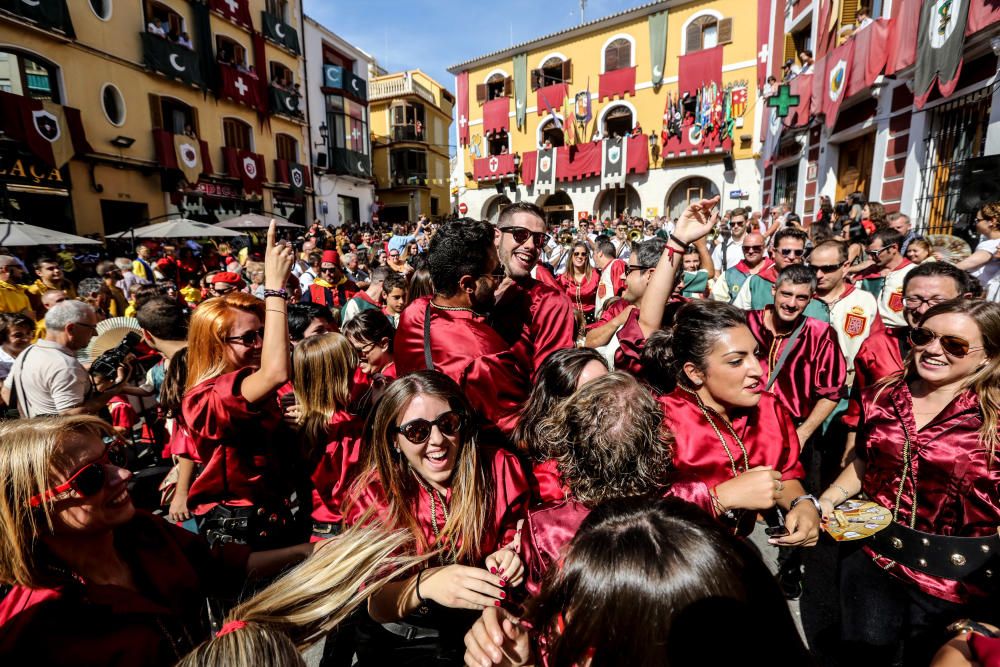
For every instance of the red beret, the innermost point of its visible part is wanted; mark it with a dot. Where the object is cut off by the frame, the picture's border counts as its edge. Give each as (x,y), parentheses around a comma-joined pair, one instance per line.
(331,257)
(228,277)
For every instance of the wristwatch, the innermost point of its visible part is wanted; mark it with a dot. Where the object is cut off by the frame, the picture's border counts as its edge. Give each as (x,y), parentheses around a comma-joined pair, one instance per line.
(966,625)
(811,498)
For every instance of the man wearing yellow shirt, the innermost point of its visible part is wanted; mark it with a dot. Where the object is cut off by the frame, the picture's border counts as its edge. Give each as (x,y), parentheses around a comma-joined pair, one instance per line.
(49,299)
(141,265)
(50,277)
(13,298)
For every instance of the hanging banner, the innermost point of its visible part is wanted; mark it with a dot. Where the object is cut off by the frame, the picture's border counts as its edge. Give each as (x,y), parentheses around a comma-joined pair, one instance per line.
(246,166)
(51,132)
(237,11)
(545,173)
(462,85)
(521,90)
(279,32)
(940,41)
(240,86)
(173,60)
(52,14)
(839,64)
(188,154)
(657,46)
(613,160)
(285,101)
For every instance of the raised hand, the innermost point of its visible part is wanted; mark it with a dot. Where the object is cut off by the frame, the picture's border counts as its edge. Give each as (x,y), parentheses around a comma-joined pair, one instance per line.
(279,258)
(698,220)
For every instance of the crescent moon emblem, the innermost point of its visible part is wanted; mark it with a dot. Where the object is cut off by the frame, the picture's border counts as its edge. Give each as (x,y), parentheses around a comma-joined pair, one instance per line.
(288,104)
(657,71)
(354,85)
(173,63)
(279,30)
(361,165)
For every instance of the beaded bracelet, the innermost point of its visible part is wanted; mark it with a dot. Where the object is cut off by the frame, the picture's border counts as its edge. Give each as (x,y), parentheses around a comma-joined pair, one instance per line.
(280,293)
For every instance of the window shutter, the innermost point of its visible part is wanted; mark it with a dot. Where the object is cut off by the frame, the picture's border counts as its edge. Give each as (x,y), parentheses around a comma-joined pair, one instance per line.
(480,93)
(536,79)
(508,86)
(692,40)
(791,51)
(155,112)
(848,12)
(610,59)
(725,31)
(567,71)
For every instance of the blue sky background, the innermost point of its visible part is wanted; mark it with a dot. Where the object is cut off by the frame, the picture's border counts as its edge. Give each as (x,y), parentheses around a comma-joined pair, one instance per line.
(431,36)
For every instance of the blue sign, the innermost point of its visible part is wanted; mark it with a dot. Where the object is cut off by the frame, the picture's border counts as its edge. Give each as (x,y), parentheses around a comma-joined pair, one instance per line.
(737,194)
(333,76)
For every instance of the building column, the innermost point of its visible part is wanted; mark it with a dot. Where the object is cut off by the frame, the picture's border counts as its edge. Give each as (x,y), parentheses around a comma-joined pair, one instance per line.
(993,131)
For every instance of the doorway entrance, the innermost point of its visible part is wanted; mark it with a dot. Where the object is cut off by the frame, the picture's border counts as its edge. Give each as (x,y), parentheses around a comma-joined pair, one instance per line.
(854,168)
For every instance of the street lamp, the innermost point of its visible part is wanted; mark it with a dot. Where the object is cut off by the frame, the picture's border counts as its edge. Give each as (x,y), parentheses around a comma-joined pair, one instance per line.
(324,133)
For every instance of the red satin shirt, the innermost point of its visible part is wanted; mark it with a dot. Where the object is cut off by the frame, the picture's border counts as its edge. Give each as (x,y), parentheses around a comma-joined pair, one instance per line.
(535,319)
(631,340)
(337,467)
(466,349)
(249,454)
(583,295)
(510,498)
(958,491)
(767,432)
(815,369)
(879,357)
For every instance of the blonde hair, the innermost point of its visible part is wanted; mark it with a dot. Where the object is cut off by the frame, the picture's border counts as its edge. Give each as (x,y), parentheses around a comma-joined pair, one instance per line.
(471,492)
(306,603)
(30,450)
(210,324)
(322,367)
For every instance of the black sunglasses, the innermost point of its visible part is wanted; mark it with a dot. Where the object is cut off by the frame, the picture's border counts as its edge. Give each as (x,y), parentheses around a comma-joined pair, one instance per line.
(247,339)
(753,248)
(521,235)
(792,252)
(953,346)
(828,268)
(418,431)
(629,269)
(875,253)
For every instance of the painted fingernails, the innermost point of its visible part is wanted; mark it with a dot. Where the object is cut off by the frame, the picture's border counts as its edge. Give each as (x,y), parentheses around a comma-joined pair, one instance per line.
(493,570)
(500,570)
(503,582)
(503,595)
(496,603)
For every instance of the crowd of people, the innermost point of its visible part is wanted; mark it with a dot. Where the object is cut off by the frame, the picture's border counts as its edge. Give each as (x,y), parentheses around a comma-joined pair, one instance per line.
(509,443)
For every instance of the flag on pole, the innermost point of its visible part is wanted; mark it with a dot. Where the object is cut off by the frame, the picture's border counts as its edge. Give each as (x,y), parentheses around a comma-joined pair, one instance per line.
(940,42)
(552,114)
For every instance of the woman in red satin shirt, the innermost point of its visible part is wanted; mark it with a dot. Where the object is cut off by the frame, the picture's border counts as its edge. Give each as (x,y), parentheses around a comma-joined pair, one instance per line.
(426,471)
(580,281)
(927,450)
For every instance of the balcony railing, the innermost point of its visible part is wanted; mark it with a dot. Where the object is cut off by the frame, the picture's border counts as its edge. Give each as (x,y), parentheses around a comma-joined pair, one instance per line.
(409,178)
(407,133)
(396,86)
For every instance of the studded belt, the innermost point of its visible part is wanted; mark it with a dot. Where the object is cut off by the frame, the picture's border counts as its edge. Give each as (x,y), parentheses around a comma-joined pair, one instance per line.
(971,560)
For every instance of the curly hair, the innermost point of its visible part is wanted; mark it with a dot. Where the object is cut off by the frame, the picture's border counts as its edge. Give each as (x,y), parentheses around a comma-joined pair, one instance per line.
(459,248)
(611,441)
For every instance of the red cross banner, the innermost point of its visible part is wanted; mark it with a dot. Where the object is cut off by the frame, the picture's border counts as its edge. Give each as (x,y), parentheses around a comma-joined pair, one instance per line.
(462,86)
(241,87)
(237,11)
(493,167)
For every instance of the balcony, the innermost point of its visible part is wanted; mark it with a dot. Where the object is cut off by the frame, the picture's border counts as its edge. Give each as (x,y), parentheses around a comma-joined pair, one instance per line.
(171,59)
(53,15)
(398,85)
(409,179)
(408,133)
(285,101)
(344,162)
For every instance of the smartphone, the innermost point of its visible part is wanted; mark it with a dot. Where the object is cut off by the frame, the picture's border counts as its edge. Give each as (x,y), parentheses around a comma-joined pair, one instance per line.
(776,531)
(287,400)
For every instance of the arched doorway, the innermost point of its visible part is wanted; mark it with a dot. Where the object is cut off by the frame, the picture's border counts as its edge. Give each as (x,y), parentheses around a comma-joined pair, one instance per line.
(618,121)
(552,134)
(558,207)
(687,191)
(493,207)
(614,201)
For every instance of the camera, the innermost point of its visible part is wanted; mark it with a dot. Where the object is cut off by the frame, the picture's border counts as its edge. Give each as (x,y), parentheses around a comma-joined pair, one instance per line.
(107,364)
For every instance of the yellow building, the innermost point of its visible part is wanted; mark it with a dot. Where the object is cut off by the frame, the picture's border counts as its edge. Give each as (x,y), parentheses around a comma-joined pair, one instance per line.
(185,107)
(626,65)
(410,127)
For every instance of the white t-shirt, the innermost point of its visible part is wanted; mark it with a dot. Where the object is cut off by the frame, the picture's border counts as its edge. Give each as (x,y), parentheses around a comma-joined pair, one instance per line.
(990,269)
(49,380)
(734,253)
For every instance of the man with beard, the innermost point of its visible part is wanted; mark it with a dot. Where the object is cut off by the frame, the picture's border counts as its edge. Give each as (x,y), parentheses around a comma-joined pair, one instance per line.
(727,286)
(758,291)
(805,368)
(448,331)
(534,318)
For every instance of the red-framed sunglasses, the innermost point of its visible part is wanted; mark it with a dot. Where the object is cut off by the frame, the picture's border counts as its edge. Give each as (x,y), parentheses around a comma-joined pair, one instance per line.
(88,480)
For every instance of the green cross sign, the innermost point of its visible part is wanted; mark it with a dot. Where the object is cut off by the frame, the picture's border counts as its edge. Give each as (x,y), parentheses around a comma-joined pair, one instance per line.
(784,100)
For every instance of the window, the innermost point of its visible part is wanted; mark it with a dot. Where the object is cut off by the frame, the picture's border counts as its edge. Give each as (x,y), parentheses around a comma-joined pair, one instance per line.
(618,55)
(230,52)
(408,122)
(618,121)
(434,206)
(160,12)
(554,70)
(409,167)
(29,76)
(498,143)
(332,56)
(706,32)
(173,115)
(286,147)
(101,9)
(496,86)
(786,185)
(348,124)
(278,8)
(113,104)
(237,134)
(281,76)
(552,134)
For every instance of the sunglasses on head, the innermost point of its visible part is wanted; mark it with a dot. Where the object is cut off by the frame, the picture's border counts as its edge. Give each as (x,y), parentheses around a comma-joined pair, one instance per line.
(953,346)
(247,339)
(792,252)
(88,480)
(418,431)
(522,234)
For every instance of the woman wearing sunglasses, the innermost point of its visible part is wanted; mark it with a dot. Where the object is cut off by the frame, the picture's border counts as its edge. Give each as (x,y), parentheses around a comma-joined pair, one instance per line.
(237,360)
(580,281)
(461,499)
(926,450)
(94,581)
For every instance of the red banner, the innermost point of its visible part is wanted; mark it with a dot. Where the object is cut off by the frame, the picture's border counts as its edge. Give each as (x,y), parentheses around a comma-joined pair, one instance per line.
(692,141)
(902,46)
(462,87)
(836,74)
(871,50)
(246,166)
(237,11)
(982,15)
(763,39)
(242,87)
(574,163)
(163,143)
(698,69)
(52,133)
(493,167)
(496,115)
(553,95)
(616,84)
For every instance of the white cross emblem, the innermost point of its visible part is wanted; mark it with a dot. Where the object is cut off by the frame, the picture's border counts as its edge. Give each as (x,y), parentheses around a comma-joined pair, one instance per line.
(494,163)
(233,5)
(762,56)
(462,122)
(242,87)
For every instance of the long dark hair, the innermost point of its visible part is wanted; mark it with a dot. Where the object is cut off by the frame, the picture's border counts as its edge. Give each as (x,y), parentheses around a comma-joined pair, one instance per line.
(645,582)
(555,381)
(697,328)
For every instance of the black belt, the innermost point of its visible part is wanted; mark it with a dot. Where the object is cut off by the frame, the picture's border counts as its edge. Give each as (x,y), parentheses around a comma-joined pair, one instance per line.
(409,631)
(967,559)
(321,528)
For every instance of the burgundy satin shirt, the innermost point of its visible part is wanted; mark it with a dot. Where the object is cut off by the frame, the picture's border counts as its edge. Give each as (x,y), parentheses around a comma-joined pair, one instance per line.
(248,452)
(510,498)
(879,357)
(815,369)
(546,483)
(337,467)
(470,352)
(584,295)
(631,341)
(535,319)
(610,312)
(767,432)
(958,492)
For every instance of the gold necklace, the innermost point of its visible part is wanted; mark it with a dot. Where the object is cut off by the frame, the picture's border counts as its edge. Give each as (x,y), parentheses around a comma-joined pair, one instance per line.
(907,468)
(705,410)
(432,493)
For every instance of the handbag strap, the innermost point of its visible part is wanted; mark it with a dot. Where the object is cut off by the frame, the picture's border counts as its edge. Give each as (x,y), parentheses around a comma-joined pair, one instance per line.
(428,358)
(783,357)
(16,394)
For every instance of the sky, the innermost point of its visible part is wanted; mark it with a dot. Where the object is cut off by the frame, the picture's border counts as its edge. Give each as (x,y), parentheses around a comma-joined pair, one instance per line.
(431,36)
